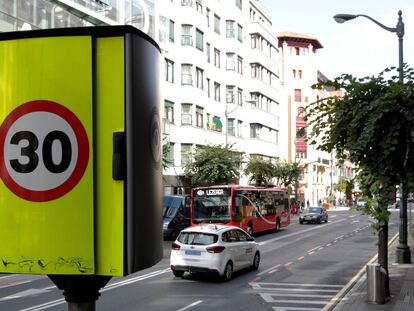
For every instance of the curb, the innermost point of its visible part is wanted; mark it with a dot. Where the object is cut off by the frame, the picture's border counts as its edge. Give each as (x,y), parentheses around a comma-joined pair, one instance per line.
(338,297)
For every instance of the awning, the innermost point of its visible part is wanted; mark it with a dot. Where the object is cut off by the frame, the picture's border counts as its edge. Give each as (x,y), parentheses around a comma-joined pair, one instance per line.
(217,122)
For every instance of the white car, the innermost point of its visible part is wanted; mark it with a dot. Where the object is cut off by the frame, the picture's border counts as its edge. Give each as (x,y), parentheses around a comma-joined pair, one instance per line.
(214,249)
(361,202)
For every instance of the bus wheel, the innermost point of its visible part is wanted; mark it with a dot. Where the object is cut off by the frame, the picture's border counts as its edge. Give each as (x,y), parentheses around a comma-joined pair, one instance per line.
(250,229)
(277,225)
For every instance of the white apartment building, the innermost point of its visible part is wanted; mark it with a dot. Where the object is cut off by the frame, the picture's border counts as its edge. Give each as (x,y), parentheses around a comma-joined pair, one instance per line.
(221,80)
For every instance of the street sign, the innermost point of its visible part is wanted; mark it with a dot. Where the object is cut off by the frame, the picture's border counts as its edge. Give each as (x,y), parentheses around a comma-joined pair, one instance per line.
(45,151)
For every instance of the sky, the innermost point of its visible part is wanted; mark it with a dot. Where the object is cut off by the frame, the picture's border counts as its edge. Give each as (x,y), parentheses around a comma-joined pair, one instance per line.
(359,46)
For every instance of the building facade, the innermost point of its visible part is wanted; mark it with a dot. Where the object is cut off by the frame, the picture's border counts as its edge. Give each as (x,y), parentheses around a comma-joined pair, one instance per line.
(228,78)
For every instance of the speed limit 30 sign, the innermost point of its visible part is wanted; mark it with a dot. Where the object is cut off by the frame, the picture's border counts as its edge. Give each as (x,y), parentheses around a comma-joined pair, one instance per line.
(44,151)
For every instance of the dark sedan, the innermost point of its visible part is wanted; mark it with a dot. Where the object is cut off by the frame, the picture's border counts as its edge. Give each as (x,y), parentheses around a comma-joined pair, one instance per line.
(313,215)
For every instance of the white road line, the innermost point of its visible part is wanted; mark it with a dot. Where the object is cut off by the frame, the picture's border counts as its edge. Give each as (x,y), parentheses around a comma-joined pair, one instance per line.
(300,232)
(295,308)
(190,305)
(301,285)
(7,276)
(57,302)
(269,299)
(267,270)
(340,237)
(352,216)
(300,295)
(314,248)
(278,289)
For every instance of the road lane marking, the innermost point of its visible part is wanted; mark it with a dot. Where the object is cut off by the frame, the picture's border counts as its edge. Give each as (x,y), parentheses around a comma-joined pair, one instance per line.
(190,305)
(339,296)
(301,285)
(301,258)
(301,232)
(14,283)
(295,308)
(25,293)
(57,302)
(267,270)
(314,248)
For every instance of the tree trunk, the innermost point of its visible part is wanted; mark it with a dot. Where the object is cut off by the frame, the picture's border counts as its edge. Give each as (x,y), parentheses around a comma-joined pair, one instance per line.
(383,255)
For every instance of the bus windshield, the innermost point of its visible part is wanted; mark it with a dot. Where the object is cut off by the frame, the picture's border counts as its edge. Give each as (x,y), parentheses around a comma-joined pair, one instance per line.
(211,206)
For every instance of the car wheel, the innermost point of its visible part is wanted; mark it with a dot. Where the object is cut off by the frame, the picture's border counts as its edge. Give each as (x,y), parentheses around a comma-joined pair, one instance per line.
(301,222)
(326,219)
(256,261)
(277,225)
(319,221)
(228,271)
(178,274)
(250,229)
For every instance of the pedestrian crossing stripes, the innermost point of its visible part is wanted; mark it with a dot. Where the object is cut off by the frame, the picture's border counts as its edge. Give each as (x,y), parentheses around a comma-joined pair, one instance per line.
(294,296)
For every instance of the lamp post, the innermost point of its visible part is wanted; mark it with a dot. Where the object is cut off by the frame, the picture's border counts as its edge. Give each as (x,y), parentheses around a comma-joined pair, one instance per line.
(403,253)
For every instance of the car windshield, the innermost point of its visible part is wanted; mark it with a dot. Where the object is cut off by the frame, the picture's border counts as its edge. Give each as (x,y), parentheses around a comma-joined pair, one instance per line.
(197,238)
(170,205)
(212,207)
(314,210)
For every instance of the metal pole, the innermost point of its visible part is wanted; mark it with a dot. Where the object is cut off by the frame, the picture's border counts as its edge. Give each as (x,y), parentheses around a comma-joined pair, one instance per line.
(403,252)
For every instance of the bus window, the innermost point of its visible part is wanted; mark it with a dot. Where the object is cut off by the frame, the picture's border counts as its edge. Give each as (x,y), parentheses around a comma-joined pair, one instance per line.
(237,211)
(211,206)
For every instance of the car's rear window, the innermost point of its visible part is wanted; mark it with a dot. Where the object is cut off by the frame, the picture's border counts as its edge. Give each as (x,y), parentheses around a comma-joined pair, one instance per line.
(197,238)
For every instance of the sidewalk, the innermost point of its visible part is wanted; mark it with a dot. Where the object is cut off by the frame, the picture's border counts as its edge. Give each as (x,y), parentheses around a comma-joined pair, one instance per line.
(401,286)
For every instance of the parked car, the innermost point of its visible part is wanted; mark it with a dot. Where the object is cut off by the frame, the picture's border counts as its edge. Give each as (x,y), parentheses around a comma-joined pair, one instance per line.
(361,202)
(176,215)
(313,215)
(217,249)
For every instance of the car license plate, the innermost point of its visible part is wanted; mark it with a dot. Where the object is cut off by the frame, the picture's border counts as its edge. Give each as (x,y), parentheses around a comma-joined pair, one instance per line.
(193,253)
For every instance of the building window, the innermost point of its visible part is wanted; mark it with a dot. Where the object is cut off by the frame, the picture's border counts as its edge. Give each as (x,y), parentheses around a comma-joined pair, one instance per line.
(239,97)
(298,95)
(199,117)
(297,51)
(186,116)
(239,33)
(240,128)
(170,155)
(300,74)
(216,24)
(230,94)
(239,4)
(208,17)
(208,52)
(185,154)
(231,131)
(169,70)
(171,32)
(217,96)
(199,40)
(208,88)
(186,74)
(217,58)
(230,61)
(187,3)
(186,37)
(255,129)
(230,32)
(294,73)
(169,111)
(255,71)
(199,6)
(239,65)
(199,77)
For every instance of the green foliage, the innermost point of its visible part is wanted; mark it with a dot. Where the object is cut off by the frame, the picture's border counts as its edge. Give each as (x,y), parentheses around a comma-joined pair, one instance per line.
(261,171)
(166,162)
(214,165)
(372,126)
(287,173)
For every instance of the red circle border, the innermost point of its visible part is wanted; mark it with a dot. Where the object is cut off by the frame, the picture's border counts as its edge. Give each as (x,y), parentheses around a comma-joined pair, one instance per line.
(83,150)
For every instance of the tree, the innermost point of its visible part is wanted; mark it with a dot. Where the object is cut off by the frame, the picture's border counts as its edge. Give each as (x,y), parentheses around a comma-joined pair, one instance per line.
(214,165)
(372,125)
(166,161)
(287,173)
(261,171)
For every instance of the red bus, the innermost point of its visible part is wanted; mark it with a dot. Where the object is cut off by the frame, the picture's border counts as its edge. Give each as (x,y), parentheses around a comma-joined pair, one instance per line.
(253,209)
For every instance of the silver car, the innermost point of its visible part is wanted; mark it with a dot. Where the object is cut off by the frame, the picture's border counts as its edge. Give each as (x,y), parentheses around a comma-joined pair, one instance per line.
(215,249)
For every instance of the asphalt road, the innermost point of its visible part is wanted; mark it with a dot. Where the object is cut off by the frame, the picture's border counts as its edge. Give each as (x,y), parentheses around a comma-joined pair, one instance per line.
(303,267)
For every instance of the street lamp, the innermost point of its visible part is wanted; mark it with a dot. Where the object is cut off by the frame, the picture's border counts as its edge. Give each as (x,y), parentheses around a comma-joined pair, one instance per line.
(403,252)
